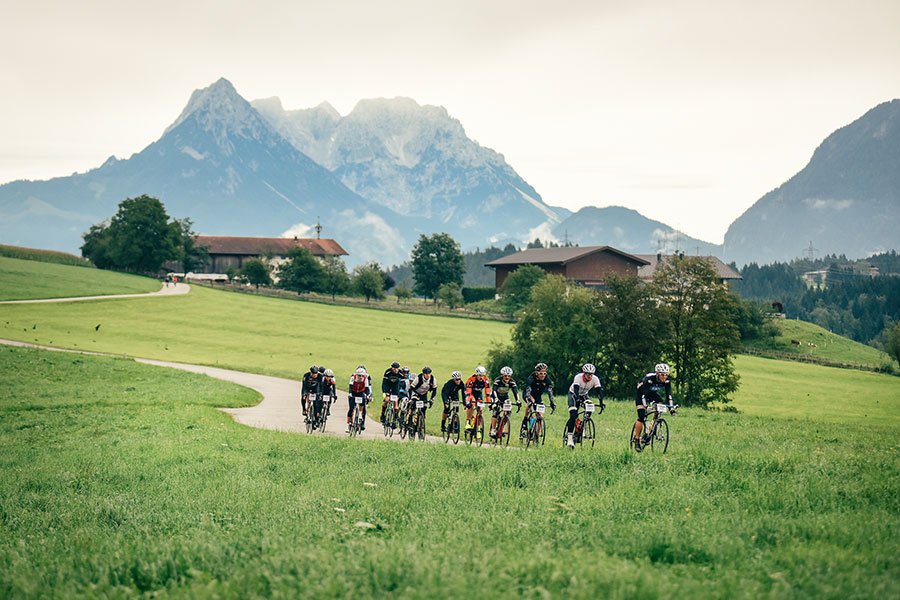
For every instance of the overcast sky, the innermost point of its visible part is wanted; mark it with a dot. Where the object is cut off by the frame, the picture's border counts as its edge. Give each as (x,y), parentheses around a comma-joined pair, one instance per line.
(687,111)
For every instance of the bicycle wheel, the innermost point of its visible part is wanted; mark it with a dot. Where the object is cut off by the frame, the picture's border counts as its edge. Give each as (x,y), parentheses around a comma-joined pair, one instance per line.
(310,419)
(389,421)
(448,430)
(454,428)
(322,418)
(588,432)
(479,430)
(660,438)
(421,427)
(353,423)
(402,424)
(503,431)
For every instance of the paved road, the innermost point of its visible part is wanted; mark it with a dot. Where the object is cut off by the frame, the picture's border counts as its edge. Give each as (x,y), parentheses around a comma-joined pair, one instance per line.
(175,289)
(280,406)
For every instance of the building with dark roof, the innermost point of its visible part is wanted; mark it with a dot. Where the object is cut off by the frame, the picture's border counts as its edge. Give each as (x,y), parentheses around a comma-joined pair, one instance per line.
(231,252)
(655,261)
(587,265)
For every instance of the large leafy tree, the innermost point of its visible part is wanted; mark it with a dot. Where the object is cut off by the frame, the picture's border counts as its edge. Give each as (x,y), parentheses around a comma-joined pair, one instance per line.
(255,272)
(436,260)
(301,273)
(139,238)
(335,279)
(368,281)
(892,344)
(516,289)
(193,257)
(632,332)
(699,311)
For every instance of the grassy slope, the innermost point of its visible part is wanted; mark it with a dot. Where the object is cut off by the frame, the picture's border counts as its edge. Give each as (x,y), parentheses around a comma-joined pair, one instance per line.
(264,335)
(827,345)
(118,479)
(52,256)
(30,279)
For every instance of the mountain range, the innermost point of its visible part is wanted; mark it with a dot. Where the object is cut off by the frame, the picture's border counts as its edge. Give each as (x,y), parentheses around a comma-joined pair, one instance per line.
(391,170)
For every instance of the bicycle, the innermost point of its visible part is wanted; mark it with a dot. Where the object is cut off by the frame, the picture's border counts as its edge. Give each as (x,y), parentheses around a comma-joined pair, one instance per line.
(402,416)
(356,422)
(452,427)
(417,426)
(476,432)
(536,433)
(656,434)
(390,416)
(324,410)
(584,424)
(501,435)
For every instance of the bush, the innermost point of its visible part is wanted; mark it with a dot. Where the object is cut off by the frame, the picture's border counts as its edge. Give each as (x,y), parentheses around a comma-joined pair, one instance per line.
(476,294)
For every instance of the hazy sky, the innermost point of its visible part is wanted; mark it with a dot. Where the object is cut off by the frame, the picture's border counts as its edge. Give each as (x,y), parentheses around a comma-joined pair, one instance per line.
(687,111)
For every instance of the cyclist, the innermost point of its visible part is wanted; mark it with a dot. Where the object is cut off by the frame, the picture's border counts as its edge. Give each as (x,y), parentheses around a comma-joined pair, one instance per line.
(419,389)
(648,391)
(579,391)
(310,385)
(326,388)
(478,388)
(500,390)
(360,385)
(390,385)
(536,385)
(454,389)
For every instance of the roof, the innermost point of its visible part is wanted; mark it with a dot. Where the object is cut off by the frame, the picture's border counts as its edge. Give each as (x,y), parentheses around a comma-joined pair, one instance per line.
(649,270)
(253,246)
(563,255)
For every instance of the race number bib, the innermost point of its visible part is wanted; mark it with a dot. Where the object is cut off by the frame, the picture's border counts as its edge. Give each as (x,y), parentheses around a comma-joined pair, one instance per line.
(326,398)
(359,399)
(393,397)
(454,403)
(662,408)
(507,406)
(480,404)
(540,408)
(420,404)
(588,407)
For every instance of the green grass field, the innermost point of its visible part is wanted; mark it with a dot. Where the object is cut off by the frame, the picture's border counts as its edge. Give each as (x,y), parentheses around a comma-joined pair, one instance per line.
(119,479)
(827,345)
(22,279)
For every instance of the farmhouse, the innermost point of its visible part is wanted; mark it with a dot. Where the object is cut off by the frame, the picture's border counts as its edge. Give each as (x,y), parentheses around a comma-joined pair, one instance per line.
(655,261)
(231,252)
(587,265)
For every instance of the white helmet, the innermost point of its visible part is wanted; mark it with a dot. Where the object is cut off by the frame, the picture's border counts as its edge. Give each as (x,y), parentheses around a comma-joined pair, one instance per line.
(479,370)
(361,371)
(506,371)
(662,368)
(456,375)
(329,373)
(589,368)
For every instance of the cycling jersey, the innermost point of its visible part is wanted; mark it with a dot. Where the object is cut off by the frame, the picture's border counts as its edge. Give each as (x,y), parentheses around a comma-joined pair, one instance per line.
(581,388)
(651,389)
(310,383)
(326,388)
(453,391)
(390,384)
(535,386)
(360,387)
(421,386)
(503,388)
(477,388)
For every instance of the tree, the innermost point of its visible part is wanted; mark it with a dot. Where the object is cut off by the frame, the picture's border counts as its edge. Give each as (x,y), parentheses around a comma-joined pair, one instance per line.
(335,279)
(255,272)
(301,273)
(892,345)
(450,295)
(698,310)
(193,257)
(368,280)
(632,338)
(139,238)
(436,260)
(516,289)
(402,292)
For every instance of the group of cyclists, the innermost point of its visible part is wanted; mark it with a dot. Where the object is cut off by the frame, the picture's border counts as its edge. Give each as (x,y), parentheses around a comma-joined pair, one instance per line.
(400,385)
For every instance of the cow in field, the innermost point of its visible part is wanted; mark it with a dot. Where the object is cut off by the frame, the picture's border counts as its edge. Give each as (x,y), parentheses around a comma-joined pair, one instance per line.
(795,342)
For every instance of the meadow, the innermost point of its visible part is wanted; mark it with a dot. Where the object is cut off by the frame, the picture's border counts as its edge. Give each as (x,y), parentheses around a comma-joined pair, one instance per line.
(27,279)
(119,479)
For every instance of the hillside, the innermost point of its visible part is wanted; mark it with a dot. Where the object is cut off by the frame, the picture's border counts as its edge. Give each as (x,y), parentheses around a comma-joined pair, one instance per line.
(51,256)
(844,201)
(31,279)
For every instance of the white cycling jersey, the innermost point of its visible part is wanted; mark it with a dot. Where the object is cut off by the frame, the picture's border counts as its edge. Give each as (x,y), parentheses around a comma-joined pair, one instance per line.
(584,386)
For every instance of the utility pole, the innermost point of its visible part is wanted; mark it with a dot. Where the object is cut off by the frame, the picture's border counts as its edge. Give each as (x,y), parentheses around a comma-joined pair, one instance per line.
(318,228)
(810,251)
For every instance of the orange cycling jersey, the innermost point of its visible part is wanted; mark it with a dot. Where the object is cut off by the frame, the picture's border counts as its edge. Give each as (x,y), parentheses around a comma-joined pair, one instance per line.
(478,388)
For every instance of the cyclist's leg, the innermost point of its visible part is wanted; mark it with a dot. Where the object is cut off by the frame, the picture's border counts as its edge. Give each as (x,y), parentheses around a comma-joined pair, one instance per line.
(639,424)
(444,416)
(387,398)
(573,414)
(303,400)
(469,409)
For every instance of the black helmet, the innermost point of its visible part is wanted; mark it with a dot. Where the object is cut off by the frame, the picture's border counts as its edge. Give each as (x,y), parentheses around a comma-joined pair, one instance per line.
(426,369)
(314,369)
(322,370)
(395,365)
(405,370)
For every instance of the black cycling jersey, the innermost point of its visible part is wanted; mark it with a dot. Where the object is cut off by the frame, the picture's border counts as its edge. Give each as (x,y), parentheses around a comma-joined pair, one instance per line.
(326,388)
(390,384)
(534,387)
(649,388)
(453,391)
(501,389)
(311,384)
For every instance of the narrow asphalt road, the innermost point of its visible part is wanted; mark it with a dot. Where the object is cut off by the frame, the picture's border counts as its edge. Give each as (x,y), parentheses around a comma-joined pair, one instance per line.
(174,289)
